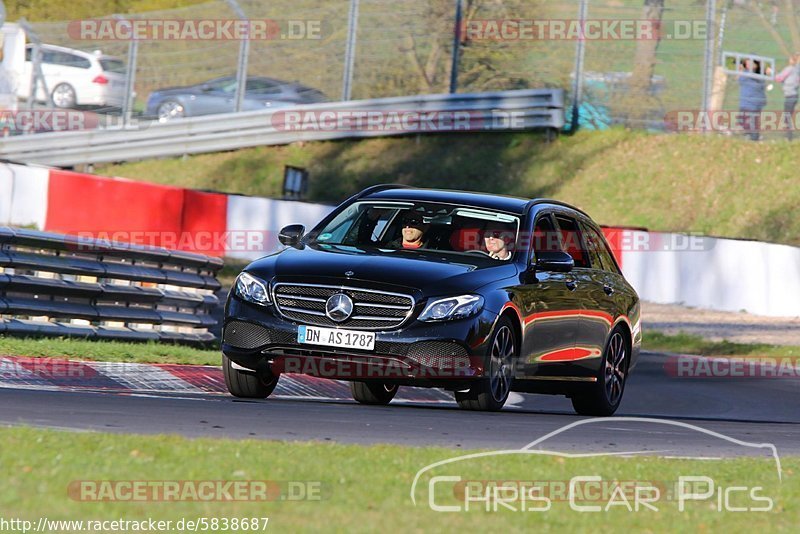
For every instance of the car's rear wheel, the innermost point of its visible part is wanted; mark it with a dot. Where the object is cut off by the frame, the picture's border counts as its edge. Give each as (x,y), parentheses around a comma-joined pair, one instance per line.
(605,396)
(64,96)
(246,384)
(376,393)
(170,109)
(490,393)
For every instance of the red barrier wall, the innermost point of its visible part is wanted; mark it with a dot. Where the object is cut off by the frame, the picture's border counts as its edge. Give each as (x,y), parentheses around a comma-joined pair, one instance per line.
(204,221)
(136,212)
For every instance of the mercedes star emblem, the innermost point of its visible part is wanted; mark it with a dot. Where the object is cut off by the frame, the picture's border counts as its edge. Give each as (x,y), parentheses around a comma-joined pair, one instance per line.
(339,307)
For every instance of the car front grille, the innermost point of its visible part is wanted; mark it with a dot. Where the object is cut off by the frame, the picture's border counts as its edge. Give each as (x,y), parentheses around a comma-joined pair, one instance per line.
(372,310)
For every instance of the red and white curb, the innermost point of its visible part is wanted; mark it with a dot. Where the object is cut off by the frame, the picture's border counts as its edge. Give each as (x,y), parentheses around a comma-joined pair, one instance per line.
(70,375)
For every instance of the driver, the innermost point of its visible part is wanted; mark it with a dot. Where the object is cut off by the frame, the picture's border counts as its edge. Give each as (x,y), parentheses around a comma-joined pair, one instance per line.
(494,239)
(414,229)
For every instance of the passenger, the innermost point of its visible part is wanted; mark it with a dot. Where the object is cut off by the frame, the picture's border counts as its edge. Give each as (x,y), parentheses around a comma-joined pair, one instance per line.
(496,238)
(414,229)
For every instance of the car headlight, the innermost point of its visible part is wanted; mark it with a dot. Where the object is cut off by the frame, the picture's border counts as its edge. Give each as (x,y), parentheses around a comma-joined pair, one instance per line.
(452,308)
(252,289)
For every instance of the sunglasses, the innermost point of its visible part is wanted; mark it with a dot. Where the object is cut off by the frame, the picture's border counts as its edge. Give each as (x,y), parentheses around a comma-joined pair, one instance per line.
(494,234)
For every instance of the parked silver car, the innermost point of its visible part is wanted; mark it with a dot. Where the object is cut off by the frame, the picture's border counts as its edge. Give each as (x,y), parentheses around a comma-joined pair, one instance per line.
(219,96)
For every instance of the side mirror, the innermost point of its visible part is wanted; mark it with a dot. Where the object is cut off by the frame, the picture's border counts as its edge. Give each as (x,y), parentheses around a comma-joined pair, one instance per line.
(205,88)
(290,235)
(554,261)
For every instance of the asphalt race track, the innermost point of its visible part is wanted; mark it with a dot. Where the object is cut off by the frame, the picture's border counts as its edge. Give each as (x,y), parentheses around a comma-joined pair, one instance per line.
(753,410)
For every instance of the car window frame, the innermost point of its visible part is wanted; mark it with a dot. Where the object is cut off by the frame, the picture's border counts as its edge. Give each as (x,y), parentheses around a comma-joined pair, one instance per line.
(532,246)
(581,243)
(614,267)
(271,88)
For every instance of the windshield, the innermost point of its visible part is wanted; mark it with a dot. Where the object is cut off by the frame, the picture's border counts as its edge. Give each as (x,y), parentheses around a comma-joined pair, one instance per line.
(418,226)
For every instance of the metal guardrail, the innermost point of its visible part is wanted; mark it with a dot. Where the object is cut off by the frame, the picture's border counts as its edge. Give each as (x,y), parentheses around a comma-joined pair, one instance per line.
(61,285)
(530,109)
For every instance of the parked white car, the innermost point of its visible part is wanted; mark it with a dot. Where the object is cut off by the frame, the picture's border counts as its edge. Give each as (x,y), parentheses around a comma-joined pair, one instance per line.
(75,78)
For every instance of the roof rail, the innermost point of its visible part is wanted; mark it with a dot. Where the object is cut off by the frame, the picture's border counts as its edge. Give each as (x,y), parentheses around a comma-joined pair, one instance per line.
(537,201)
(381,187)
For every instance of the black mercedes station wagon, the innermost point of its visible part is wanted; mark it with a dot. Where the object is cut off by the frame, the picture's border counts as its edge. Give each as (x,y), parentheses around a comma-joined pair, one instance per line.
(473,293)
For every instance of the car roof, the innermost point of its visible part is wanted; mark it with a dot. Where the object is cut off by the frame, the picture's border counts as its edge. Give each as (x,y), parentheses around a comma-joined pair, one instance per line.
(233,77)
(483,200)
(491,201)
(76,51)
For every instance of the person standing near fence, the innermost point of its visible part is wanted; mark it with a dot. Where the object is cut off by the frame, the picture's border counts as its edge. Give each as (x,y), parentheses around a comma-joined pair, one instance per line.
(752,97)
(790,78)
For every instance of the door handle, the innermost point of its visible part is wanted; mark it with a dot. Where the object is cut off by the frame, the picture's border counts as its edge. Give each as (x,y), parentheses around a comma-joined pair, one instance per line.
(572,285)
(608,289)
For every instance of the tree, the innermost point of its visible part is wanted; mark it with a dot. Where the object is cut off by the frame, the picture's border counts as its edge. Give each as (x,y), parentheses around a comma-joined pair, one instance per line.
(644,63)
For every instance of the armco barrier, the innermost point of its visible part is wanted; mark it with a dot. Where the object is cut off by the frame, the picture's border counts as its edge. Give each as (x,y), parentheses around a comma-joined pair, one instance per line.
(60,285)
(531,108)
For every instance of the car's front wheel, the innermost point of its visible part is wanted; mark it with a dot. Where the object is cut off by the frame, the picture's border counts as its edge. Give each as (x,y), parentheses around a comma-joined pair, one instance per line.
(376,393)
(170,109)
(491,392)
(246,384)
(605,396)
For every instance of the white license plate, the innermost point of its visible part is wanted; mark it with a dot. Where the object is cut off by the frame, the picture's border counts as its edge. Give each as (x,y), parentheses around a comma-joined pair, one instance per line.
(335,337)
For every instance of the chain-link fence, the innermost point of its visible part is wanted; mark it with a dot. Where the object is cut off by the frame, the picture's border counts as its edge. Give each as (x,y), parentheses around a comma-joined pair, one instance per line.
(620,70)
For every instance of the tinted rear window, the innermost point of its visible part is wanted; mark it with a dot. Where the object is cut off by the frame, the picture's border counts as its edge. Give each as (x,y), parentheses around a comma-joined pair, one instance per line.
(113,65)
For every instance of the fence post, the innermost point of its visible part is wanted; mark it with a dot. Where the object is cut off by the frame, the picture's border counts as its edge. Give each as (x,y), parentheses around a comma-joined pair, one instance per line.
(244,53)
(580,52)
(37,76)
(130,75)
(723,20)
(350,51)
(456,48)
(708,60)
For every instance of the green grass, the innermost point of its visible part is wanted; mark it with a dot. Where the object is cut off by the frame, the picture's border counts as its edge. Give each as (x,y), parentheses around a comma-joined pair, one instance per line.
(710,184)
(107,351)
(361,488)
(692,344)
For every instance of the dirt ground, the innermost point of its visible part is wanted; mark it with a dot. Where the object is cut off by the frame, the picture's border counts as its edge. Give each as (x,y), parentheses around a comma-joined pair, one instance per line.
(737,327)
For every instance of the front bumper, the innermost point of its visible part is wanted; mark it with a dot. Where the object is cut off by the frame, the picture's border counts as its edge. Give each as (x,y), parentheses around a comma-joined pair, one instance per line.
(444,354)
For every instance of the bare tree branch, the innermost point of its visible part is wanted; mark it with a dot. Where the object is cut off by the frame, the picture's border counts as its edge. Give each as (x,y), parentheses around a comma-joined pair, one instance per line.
(756,9)
(792,20)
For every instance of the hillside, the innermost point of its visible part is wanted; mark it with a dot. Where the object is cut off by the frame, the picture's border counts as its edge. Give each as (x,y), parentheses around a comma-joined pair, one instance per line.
(710,184)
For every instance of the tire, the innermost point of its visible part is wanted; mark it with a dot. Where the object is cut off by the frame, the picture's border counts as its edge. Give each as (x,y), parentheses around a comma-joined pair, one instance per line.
(374,393)
(491,392)
(603,399)
(63,96)
(255,385)
(170,109)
